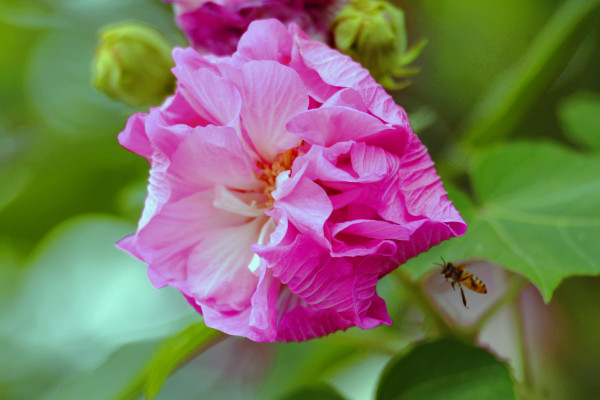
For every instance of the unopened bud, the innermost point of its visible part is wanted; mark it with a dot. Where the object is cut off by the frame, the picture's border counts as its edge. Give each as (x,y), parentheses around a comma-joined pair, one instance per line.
(133,64)
(373,33)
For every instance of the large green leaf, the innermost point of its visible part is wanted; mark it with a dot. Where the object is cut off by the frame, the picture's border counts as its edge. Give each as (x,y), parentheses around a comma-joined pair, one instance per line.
(446,369)
(580,117)
(537,213)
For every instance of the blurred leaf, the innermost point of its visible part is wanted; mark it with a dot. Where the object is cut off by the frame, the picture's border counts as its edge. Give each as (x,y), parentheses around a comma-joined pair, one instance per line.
(62,91)
(12,181)
(10,271)
(298,364)
(537,213)
(34,13)
(514,93)
(173,352)
(105,381)
(321,391)
(470,43)
(83,15)
(422,118)
(446,369)
(81,299)
(580,117)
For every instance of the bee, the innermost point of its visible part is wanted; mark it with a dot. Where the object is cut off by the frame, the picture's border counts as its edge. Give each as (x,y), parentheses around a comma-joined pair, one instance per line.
(457,275)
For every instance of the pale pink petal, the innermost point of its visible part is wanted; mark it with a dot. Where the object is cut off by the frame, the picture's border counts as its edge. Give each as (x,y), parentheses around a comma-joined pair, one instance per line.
(134,138)
(264,40)
(177,111)
(263,317)
(199,86)
(271,95)
(217,270)
(166,241)
(347,98)
(210,155)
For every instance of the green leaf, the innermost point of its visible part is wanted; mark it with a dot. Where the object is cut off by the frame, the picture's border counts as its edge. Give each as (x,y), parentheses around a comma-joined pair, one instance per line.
(537,214)
(580,117)
(80,299)
(446,369)
(321,391)
(515,92)
(174,352)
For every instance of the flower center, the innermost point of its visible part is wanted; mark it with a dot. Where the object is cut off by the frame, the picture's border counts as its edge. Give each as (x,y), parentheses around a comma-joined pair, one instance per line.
(268,173)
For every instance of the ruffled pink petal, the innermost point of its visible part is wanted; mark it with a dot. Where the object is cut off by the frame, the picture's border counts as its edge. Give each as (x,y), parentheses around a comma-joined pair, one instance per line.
(271,95)
(420,193)
(303,323)
(336,69)
(330,125)
(303,202)
(370,309)
(321,281)
(366,237)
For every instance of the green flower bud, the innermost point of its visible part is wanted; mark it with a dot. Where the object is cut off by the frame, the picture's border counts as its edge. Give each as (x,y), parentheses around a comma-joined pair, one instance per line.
(133,64)
(373,33)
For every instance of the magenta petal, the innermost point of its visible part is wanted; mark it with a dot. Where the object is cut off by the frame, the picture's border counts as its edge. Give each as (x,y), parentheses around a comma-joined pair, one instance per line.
(302,323)
(271,95)
(327,126)
(213,27)
(369,307)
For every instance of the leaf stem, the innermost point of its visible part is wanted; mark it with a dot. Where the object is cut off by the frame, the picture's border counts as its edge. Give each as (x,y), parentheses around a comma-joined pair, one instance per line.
(516,286)
(525,362)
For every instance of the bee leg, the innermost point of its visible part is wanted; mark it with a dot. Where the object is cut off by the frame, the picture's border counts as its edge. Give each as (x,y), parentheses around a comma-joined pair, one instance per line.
(464,299)
(453,288)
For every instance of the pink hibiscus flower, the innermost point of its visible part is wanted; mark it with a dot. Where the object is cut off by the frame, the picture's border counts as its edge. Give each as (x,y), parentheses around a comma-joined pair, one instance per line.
(284,184)
(216,26)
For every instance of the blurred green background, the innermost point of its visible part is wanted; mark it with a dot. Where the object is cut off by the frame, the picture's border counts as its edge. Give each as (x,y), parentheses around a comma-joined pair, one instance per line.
(78,317)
